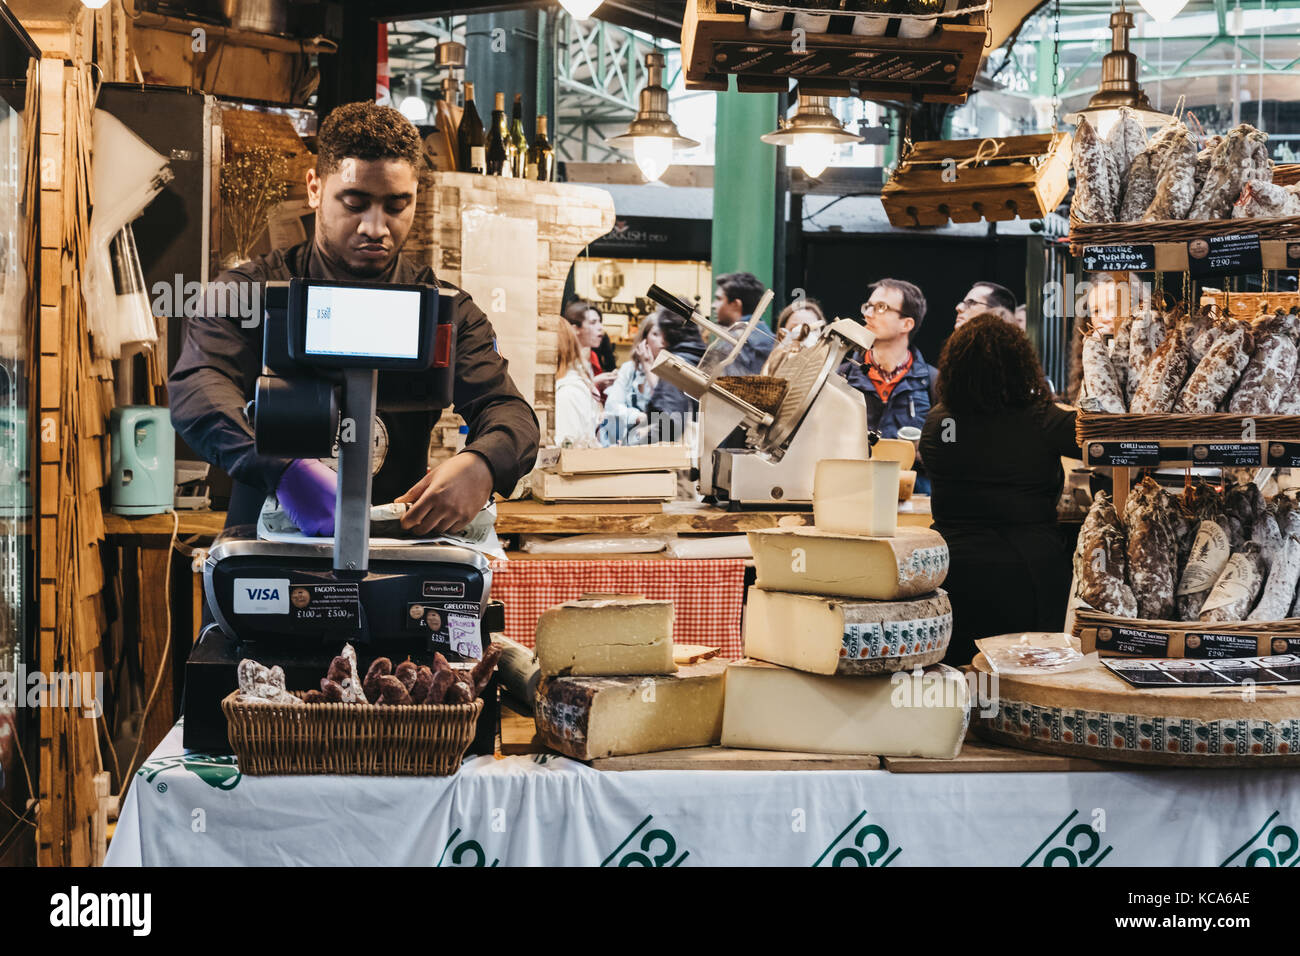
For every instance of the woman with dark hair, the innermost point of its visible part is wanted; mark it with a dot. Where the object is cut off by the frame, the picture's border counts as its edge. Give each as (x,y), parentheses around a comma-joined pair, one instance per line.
(673,406)
(993,446)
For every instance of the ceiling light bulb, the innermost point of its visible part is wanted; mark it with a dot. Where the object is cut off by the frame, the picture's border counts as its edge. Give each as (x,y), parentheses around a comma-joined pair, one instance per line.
(653,155)
(812,152)
(415,109)
(580,9)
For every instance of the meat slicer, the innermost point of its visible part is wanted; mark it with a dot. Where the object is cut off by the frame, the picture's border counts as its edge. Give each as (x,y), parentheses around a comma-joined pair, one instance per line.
(286,599)
(752,456)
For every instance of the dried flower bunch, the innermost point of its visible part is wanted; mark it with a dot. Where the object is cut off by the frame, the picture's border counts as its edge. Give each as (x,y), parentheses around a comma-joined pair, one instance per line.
(252,184)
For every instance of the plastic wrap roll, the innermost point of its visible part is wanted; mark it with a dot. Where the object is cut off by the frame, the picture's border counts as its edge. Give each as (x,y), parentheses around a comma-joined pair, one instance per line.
(519,672)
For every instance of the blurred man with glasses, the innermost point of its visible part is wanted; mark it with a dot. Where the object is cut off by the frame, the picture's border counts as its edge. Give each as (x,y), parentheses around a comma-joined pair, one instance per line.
(892,376)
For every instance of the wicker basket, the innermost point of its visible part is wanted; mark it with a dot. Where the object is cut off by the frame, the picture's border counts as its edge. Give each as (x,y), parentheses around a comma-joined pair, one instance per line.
(1219,426)
(1088,622)
(368,739)
(764,392)
(1178,230)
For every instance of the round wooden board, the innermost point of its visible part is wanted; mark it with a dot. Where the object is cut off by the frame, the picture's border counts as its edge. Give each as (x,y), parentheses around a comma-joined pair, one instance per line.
(1092,713)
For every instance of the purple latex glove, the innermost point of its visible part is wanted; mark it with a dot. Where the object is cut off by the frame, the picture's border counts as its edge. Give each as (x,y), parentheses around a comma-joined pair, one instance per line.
(307,493)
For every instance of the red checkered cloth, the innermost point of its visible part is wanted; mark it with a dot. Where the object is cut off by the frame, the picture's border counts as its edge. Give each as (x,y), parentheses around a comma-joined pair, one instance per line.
(706,594)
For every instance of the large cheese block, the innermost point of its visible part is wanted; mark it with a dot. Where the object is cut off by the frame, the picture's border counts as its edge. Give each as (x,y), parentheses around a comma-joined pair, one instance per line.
(591,717)
(900,715)
(856,497)
(617,635)
(1092,713)
(824,635)
(812,561)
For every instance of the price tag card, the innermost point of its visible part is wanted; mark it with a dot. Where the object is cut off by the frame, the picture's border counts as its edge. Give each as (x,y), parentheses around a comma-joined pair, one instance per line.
(1130,640)
(1224,255)
(1119,258)
(1208,646)
(1135,454)
(1226,455)
(1284,454)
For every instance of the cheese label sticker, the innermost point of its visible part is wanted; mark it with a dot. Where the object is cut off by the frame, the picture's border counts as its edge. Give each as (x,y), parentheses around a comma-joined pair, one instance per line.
(1210,552)
(464,636)
(1232,587)
(1130,640)
(330,605)
(261,595)
(1219,645)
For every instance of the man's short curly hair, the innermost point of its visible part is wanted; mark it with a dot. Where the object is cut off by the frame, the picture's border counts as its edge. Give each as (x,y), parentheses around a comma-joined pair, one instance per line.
(987,366)
(366,131)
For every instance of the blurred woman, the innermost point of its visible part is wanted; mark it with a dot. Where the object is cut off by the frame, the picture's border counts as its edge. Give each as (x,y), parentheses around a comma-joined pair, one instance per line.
(577,408)
(589,328)
(674,408)
(627,401)
(993,446)
(799,313)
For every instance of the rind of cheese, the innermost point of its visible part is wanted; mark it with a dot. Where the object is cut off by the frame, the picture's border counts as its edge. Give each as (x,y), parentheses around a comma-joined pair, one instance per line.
(832,636)
(613,636)
(811,561)
(922,714)
(1094,714)
(856,497)
(591,717)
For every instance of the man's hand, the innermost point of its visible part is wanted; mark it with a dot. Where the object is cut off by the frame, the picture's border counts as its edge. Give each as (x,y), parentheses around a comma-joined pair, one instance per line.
(448,497)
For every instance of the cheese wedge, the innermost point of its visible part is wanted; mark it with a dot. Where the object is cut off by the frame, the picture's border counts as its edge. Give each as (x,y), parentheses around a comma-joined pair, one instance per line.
(591,717)
(825,635)
(812,561)
(856,497)
(902,715)
(619,635)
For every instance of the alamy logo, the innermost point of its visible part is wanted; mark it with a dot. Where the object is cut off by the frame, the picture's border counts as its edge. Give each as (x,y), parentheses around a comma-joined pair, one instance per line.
(75,909)
(869,846)
(656,847)
(1274,844)
(1080,846)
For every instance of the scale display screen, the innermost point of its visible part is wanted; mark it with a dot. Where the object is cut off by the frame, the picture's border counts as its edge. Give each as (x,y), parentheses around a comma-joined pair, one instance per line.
(349,322)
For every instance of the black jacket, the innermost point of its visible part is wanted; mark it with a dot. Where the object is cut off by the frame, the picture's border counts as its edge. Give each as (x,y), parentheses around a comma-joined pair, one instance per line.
(221,359)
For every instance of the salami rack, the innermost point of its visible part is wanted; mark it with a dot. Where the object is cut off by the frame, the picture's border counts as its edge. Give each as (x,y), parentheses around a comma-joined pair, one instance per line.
(940,68)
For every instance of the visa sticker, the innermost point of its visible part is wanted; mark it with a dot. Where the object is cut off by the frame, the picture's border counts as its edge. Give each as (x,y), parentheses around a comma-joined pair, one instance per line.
(261,595)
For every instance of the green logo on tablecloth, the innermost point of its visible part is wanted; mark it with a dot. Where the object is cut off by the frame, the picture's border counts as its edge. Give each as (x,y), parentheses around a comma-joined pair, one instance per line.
(220,772)
(869,846)
(1274,844)
(464,853)
(656,847)
(1080,846)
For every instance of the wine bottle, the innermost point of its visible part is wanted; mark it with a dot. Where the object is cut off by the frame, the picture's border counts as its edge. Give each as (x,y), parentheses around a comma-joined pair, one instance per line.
(498,153)
(766,19)
(469,137)
(916,29)
(518,140)
(814,22)
(871,26)
(541,157)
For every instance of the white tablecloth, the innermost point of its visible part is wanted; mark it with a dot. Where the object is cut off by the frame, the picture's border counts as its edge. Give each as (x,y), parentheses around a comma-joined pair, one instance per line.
(195,810)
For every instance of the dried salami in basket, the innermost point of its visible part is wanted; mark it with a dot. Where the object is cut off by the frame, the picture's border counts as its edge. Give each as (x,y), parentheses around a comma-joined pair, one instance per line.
(1099,380)
(1176,186)
(1210,550)
(1163,379)
(1237,588)
(1280,586)
(1127,140)
(1094,187)
(1271,368)
(1152,551)
(1216,373)
(1101,561)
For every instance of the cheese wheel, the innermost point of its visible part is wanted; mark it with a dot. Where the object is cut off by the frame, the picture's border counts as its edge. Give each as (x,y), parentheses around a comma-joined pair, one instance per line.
(1092,713)
(914,561)
(824,635)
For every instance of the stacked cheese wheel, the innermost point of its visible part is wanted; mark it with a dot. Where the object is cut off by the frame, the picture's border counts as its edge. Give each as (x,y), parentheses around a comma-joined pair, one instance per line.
(836,613)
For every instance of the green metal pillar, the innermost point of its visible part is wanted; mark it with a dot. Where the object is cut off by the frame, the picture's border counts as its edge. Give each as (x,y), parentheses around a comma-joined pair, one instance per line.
(744,185)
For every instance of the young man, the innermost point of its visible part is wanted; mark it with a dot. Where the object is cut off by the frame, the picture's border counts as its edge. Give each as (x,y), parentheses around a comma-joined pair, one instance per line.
(892,376)
(363,190)
(734,302)
(986,297)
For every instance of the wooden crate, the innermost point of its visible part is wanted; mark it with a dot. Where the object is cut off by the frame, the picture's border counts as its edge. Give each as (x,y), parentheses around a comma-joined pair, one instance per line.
(940,68)
(1026,177)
